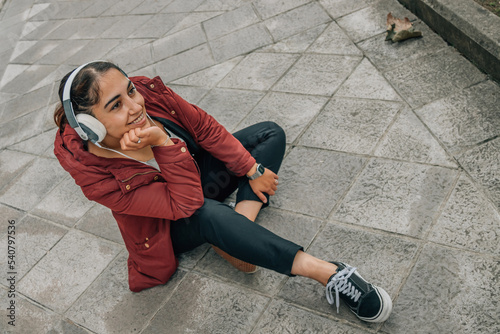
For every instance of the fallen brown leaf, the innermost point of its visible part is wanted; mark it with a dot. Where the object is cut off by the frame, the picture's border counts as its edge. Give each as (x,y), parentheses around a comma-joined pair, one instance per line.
(399,30)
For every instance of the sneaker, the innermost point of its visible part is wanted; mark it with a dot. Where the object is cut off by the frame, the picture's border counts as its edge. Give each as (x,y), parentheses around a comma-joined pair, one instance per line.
(368,302)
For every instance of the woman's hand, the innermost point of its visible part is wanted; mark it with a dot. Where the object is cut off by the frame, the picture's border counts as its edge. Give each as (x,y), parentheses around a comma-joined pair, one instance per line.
(152,135)
(266,183)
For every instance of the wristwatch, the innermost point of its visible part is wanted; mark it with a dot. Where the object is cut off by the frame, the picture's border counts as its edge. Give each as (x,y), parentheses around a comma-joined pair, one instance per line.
(260,170)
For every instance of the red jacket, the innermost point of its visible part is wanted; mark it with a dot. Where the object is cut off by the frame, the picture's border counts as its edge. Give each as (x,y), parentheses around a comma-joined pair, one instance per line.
(142,199)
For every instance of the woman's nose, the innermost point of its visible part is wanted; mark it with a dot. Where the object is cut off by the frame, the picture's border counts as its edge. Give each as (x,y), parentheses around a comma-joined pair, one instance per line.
(134,107)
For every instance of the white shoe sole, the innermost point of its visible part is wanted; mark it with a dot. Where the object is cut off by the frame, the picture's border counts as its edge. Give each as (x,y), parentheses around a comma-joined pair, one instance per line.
(386,308)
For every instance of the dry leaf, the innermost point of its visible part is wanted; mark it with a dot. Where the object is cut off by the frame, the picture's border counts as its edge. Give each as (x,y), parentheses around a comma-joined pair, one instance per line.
(399,30)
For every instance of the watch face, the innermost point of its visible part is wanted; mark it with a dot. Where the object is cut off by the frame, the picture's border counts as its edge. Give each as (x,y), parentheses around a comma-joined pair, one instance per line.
(261,169)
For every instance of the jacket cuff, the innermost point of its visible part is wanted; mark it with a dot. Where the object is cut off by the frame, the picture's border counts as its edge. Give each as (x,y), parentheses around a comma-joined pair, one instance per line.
(173,153)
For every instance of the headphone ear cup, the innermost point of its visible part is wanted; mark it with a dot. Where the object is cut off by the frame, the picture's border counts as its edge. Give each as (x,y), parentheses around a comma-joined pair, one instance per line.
(94,129)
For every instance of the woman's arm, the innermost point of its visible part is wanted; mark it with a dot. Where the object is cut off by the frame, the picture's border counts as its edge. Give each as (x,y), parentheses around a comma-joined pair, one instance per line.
(213,137)
(177,196)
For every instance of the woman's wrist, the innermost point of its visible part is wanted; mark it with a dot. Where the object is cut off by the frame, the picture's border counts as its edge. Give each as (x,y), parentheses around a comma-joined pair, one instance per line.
(163,143)
(252,170)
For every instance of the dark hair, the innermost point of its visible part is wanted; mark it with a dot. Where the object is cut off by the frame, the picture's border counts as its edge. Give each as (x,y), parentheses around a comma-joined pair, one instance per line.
(84,90)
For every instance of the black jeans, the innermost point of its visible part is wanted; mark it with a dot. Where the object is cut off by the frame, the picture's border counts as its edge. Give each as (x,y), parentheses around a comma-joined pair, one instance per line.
(219,225)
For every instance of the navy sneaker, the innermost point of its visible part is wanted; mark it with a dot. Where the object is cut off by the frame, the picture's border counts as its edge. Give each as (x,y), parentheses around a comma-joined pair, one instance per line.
(368,302)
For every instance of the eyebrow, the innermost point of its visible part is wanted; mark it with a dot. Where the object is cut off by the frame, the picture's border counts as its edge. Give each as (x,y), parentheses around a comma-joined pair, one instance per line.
(117,96)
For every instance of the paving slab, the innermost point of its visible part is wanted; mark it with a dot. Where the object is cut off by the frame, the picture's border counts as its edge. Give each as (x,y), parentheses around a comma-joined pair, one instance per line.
(95,49)
(185,63)
(68,29)
(230,106)
(180,41)
(126,26)
(465,305)
(482,164)
(34,183)
(305,169)
(30,79)
(34,238)
(94,27)
(38,319)
(230,21)
(157,26)
(219,308)
(108,306)
(396,196)
(292,111)
(99,221)
(194,18)
(84,258)
(296,20)
(339,8)
(16,130)
(334,40)
(367,83)
(63,51)
(465,119)
(150,7)
(297,43)
(240,42)
(409,139)
(189,93)
(282,317)
(127,59)
(317,74)
(433,76)
(182,6)
(469,220)
(210,77)
(350,125)
(37,30)
(95,9)
(259,71)
(218,5)
(121,8)
(12,164)
(65,204)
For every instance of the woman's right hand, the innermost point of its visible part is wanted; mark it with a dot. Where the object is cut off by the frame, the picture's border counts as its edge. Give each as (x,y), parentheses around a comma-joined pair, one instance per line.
(266,183)
(152,135)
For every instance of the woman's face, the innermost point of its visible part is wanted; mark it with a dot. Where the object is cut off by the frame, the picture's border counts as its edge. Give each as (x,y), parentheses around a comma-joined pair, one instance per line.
(121,107)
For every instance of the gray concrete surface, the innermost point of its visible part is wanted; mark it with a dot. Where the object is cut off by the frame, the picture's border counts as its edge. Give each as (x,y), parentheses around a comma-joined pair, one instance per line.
(392,166)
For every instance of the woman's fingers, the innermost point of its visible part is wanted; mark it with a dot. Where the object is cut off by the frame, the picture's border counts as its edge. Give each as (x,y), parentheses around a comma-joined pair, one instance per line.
(130,141)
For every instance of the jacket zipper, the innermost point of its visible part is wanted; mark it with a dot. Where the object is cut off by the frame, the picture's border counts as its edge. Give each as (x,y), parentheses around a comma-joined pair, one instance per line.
(137,174)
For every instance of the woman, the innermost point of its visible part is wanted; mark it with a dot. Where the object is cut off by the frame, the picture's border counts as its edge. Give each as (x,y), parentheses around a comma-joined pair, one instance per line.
(163,166)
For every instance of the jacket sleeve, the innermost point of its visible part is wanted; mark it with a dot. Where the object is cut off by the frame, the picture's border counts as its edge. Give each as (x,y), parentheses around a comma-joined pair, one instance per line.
(213,137)
(178,196)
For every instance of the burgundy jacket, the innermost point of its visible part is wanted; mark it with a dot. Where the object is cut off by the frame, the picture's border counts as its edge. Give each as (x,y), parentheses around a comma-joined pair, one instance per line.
(143,200)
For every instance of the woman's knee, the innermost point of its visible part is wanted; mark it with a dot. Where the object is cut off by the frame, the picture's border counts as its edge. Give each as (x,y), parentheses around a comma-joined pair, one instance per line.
(276,132)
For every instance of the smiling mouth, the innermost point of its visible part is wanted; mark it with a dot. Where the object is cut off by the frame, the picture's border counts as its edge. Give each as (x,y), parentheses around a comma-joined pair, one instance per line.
(138,119)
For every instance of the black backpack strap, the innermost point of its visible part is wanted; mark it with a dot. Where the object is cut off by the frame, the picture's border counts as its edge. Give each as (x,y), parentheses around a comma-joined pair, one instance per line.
(181,133)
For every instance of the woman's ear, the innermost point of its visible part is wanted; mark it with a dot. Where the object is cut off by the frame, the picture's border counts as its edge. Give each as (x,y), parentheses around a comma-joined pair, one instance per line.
(95,130)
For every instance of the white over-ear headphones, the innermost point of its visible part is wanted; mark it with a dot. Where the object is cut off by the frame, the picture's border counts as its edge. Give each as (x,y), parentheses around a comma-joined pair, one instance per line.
(87,126)
(95,130)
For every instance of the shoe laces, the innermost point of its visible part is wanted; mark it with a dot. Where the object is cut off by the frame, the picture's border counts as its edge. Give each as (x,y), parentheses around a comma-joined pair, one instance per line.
(340,284)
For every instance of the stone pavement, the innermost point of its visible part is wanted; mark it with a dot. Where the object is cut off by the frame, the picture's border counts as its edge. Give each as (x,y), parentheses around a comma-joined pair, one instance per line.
(392,166)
